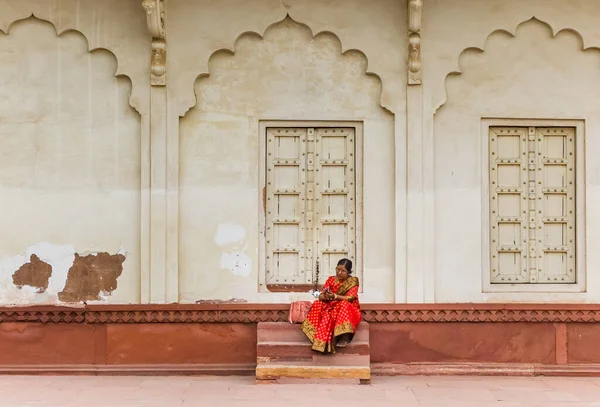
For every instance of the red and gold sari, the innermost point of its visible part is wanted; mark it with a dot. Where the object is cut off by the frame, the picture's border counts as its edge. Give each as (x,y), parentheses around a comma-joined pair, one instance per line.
(327,320)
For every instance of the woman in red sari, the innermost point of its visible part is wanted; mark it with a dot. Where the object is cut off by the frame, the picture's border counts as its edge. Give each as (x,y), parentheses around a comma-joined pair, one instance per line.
(333,318)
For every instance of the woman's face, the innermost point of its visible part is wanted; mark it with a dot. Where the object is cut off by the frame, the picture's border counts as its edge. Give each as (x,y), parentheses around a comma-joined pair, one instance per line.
(341,272)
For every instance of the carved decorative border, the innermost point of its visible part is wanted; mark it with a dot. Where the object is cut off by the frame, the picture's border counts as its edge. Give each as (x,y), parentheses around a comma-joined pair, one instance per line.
(201,316)
(482,315)
(155,19)
(415,8)
(43,314)
(254,313)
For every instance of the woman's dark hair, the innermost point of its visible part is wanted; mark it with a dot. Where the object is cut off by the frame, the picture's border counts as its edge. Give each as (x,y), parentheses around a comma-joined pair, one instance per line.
(346,263)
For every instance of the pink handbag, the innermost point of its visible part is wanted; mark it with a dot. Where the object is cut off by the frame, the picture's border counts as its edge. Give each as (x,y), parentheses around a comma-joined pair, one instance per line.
(299,311)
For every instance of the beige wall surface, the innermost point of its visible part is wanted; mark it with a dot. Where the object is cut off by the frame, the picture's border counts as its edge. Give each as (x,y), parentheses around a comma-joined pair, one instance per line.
(70,153)
(324,61)
(220,196)
(117,191)
(535,63)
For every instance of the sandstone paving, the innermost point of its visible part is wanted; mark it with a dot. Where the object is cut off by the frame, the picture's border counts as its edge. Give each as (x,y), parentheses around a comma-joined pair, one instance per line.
(144,391)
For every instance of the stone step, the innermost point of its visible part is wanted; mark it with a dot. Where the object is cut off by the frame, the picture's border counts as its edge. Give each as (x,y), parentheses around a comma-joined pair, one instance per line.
(300,350)
(316,360)
(275,372)
(284,352)
(285,332)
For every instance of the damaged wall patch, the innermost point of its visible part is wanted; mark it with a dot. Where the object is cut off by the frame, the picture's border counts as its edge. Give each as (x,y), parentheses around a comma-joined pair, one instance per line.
(35,274)
(237,262)
(23,277)
(92,276)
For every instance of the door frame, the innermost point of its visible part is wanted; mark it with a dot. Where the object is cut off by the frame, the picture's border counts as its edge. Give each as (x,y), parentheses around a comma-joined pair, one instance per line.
(262,189)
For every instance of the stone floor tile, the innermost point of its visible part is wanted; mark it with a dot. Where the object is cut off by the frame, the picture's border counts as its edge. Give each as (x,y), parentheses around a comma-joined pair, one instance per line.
(479,394)
(521,395)
(242,391)
(585,387)
(517,383)
(570,396)
(399,381)
(400,395)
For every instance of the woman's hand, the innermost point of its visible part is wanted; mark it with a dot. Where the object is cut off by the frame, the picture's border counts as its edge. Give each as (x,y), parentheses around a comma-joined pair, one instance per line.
(326,296)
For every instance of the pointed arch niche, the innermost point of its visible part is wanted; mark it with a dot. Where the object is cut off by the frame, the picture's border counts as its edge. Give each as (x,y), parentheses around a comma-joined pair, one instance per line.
(287,74)
(533,74)
(69,148)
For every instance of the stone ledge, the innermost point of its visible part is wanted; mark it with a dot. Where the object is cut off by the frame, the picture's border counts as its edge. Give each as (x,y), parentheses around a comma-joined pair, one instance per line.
(377,369)
(132,370)
(254,313)
(483,369)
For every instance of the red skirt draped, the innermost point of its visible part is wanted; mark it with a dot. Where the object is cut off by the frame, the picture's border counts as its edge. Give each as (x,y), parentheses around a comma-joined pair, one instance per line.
(328,320)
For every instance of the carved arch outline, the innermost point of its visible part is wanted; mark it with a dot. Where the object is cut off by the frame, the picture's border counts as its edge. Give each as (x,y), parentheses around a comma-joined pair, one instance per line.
(513,34)
(338,44)
(117,74)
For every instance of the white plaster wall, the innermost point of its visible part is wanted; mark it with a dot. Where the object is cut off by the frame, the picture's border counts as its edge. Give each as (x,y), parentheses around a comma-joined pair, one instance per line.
(530,76)
(69,155)
(198,28)
(287,75)
(451,26)
(116,25)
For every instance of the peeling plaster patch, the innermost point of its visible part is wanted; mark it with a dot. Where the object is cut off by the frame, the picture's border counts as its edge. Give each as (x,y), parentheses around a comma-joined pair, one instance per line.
(237,262)
(58,257)
(90,253)
(36,274)
(10,294)
(92,277)
(228,233)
